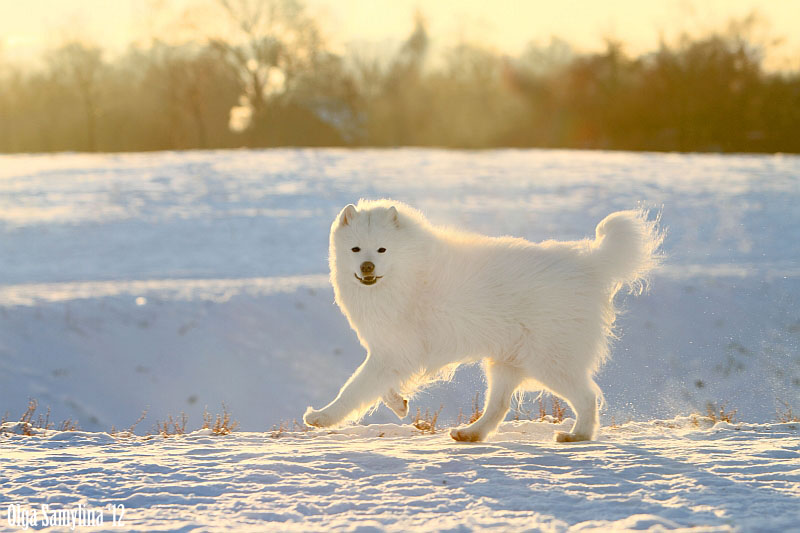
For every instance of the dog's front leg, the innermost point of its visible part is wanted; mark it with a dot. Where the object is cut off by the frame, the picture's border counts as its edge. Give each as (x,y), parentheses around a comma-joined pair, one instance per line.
(363,389)
(396,403)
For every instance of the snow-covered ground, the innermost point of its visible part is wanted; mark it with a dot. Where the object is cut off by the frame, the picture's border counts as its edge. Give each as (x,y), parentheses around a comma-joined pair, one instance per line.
(175,281)
(638,476)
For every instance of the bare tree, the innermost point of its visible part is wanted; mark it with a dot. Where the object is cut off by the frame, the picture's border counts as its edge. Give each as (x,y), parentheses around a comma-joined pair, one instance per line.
(183,75)
(273,42)
(402,108)
(80,66)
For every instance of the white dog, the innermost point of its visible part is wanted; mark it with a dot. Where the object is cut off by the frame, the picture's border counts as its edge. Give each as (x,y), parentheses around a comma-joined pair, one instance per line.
(424,299)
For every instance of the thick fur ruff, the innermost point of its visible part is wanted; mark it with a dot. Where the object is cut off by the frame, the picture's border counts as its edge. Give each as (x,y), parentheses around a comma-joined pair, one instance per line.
(424,299)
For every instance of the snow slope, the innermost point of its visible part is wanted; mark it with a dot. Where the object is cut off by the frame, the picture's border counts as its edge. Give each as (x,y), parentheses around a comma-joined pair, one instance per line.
(659,475)
(175,281)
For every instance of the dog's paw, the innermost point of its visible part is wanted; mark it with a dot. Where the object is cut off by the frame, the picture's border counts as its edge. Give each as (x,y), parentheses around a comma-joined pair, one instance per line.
(318,419)
(563,436)
(465,435)
(401,410)
(396,403)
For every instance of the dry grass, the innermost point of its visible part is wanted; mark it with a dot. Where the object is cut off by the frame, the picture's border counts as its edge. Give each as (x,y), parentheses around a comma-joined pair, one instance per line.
(172,426)
(130,431)
(713,415)
(787,415)
(426,424)
(720,414)
(617,425)
(558,410)
(285,426)
(279,430)
(474,415)
(29,422)
(476,408)
(221,424)
(26,420)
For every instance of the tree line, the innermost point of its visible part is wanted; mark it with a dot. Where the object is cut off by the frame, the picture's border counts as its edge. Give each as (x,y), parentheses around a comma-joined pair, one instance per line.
(276,83)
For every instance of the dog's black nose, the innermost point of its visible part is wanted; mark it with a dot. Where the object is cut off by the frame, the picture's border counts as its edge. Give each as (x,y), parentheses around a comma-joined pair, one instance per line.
(367,267)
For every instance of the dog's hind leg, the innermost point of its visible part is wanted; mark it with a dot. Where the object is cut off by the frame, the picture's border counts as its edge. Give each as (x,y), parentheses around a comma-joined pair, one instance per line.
(582,398)
(503,381)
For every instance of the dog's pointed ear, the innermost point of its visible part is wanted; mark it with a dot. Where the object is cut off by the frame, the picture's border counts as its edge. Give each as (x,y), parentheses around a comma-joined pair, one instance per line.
(347,215)
(394,216)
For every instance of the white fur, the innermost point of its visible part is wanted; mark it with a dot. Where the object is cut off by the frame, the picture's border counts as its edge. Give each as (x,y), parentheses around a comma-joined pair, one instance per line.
(539,315)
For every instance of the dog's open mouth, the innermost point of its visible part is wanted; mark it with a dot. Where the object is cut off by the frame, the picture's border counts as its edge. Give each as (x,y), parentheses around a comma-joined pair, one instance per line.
(368,280)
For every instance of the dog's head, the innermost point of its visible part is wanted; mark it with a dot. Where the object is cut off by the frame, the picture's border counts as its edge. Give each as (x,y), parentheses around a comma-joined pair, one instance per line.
(367,242)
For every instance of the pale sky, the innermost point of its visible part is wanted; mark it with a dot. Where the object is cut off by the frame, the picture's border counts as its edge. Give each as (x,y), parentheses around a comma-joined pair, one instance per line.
(29,26)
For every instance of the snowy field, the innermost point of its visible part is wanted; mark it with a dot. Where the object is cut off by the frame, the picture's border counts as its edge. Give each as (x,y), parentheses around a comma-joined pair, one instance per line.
(638,476)
(175,281)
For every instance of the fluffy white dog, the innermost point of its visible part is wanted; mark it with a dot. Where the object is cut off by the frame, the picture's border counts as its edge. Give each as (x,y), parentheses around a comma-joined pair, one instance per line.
(424,299)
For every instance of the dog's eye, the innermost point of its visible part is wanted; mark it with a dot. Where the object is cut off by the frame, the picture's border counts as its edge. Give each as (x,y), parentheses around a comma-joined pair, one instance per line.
(381,250)
(356,249)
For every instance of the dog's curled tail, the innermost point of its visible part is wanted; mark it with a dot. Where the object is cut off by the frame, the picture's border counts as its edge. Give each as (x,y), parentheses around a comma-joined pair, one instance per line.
(626,248)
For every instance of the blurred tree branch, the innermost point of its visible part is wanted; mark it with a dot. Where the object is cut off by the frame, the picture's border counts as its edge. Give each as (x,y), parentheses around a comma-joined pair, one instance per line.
(272,81)
(81,66)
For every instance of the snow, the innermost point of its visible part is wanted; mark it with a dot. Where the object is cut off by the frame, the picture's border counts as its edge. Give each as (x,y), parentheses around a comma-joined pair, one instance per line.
(175,281)
(658,475)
